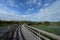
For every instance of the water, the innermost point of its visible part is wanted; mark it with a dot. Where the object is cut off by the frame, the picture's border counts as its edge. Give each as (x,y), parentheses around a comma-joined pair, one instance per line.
(2,31)
(54,27)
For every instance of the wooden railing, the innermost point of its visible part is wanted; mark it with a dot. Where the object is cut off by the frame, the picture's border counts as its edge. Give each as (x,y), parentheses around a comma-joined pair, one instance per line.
(42,34)
(17,30)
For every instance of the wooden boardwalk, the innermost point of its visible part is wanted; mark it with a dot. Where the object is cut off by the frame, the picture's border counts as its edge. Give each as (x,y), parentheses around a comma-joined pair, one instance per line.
(25,32)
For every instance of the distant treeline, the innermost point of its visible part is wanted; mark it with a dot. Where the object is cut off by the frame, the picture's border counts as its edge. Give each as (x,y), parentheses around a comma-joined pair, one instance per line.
(30,22)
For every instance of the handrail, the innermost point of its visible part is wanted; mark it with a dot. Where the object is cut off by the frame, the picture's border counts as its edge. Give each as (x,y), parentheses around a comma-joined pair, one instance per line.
(54,36)
(38,34)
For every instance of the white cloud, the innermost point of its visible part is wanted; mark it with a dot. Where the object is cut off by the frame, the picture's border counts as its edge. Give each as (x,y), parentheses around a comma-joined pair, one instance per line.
(39,3)
(50,12)
(46,4)
(29,9)
(34,1)
(30,2)
(11,15)
(10,2)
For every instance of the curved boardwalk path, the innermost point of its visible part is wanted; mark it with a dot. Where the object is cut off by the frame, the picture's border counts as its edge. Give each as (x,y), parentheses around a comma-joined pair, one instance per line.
(27,34)
(18,32)
(22,32)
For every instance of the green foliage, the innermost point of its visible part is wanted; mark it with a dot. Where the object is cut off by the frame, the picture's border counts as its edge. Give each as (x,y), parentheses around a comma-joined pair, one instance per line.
(5,26)
(51,28)
(45,23)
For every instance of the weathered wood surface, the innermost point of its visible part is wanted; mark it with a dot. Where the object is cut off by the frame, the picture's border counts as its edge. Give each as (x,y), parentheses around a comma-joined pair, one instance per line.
(26,32)
(53,36)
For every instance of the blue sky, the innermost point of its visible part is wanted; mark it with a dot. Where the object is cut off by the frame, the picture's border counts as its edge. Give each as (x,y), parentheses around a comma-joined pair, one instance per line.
(33,10)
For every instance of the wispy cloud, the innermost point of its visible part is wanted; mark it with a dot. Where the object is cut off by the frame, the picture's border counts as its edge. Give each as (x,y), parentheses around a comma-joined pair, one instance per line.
(47,12)
(50,13)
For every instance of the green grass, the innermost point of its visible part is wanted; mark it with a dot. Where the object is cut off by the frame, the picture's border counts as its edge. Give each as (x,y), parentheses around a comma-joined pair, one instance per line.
(51,28)
(5,26)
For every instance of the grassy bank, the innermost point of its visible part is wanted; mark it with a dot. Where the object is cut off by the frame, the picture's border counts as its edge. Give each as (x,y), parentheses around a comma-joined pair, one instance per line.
(50,28)
(5,26)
